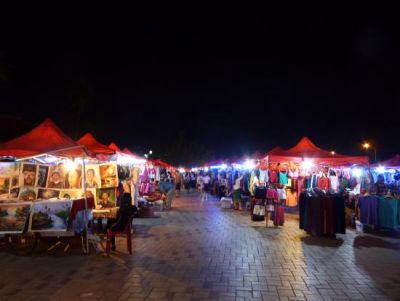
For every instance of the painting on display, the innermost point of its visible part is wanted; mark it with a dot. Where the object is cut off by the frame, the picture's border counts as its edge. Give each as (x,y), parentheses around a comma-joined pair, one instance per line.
(90,193)
(46,194)
(14,193)
(4,187)
(69,193)
(50,216)
(108,175)
(105,198)
(43,173)
(13,217)
(123,172)
(73,178)
(10,170)
(28,174)
(56,176)
(92,176)
(27,194)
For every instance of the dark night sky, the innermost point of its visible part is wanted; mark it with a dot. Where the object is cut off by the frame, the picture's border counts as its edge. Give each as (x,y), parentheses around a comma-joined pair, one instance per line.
(234,80)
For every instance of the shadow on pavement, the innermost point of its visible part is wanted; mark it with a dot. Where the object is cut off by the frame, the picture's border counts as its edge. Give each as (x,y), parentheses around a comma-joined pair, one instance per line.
(322,241)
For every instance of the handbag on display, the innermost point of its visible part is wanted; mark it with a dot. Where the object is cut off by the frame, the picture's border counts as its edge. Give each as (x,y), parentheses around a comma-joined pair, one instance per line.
(260,192)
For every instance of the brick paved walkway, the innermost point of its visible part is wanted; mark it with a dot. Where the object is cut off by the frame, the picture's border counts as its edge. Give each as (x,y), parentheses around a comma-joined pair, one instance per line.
(193,253)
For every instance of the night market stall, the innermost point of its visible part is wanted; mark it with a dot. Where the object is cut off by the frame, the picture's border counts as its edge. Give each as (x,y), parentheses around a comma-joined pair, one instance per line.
(317,178)
(43,189)
(378,207)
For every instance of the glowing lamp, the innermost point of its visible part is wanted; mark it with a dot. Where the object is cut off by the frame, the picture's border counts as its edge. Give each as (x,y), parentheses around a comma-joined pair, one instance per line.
(307,164)
(366,145)
(249,164)
(206,169)
(357,172)
(70,165)
(333,153)
(181,170)
(195,169)
(380,169)
(150,152)
(223,166)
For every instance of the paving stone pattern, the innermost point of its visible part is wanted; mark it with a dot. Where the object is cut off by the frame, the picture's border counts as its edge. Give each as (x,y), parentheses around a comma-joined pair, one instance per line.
(201,252)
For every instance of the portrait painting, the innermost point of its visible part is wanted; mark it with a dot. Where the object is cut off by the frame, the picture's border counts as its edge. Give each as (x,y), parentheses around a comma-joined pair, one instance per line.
(50,216)
(90,193)
(105,198)
(123,172)
(28,174)
(108,175)
(92,176)
(27,194)
(14,192)
(56,177)
(73,178)
(13,217)
(43,172)
(46,194)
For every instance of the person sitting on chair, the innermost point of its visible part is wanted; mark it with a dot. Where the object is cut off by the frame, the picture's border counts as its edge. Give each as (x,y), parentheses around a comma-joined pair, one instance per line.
(126,210)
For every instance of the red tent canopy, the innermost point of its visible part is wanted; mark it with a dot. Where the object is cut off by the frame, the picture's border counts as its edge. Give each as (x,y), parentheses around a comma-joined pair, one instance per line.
(47,137)
(114,147)
(127,151)
(392,162)
(161,163)
(94,146)
(275,150)
(305,149)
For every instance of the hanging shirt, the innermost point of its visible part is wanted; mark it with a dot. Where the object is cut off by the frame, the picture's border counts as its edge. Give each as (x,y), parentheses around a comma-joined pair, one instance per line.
(291,198)
(334,180)
(282,194)
(283,178)
(323,183)
(293,174)
(264,176)
(273,176)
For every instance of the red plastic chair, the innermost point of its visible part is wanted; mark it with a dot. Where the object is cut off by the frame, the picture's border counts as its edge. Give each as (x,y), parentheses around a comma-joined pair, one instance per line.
(126,232)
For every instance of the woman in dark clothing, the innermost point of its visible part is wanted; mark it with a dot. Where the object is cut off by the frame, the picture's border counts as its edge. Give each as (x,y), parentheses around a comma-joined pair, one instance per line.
(126,210)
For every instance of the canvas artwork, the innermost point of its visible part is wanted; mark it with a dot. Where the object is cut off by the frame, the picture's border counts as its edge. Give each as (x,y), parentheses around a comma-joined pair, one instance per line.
(90,193)
(50,216)
(43,173)
(73,178)
(123,172)
(14,193)
(46,194)
(13,217)
(69,193)
(4,187)
(15,181)
(56,176)
(92,176)
(27,194)
(108,175)
(28,174)
(9,169)
(105,198)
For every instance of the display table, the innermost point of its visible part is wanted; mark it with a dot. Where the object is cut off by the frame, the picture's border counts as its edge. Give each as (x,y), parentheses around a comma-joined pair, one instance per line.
(105,213)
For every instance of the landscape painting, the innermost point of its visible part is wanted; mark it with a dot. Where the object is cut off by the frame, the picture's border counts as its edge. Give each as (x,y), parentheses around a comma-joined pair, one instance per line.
(13,217)
(50,216)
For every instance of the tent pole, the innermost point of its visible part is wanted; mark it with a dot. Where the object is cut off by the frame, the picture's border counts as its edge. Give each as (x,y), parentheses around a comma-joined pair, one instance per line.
(86,204)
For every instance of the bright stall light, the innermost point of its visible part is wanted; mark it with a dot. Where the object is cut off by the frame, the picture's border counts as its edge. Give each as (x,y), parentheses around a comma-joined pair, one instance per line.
(181,170)
(380,169)
(307,164)
(70,165)
(195,169)
(224,166)
(206,169)
(249,164)
(150,152)
(392,170)
(357,172)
